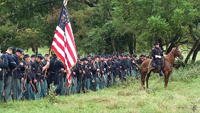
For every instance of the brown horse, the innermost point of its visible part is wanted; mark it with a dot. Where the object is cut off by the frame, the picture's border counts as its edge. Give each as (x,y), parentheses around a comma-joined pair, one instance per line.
(167,70)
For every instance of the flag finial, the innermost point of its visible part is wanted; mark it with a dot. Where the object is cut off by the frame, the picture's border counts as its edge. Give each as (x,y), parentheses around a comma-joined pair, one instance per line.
(65,2)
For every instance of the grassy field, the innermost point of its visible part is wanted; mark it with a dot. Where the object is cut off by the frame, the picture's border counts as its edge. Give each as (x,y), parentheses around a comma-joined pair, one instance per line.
(181,96)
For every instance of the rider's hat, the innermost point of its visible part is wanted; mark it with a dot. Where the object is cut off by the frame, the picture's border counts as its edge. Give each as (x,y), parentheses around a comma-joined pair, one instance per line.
(156,43)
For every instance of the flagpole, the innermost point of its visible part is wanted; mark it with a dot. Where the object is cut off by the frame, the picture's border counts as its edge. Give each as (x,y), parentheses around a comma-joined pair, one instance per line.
(66,79)
(65,2)
(68,86)
(47,61)
(66,82)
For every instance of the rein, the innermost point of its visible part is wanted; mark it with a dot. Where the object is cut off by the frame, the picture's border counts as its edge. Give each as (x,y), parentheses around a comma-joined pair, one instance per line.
(168,64)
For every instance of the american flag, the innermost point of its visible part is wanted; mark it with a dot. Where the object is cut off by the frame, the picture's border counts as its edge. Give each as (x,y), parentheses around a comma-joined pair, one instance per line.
(63,43)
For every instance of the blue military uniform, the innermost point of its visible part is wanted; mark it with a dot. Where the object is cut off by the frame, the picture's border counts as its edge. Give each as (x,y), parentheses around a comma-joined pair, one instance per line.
(29,92)
(87,76)
(17,85)
(116,67)
(124,65)
(8,80)
(3,67)
(79,73)
(36,69)
(157,54)
(129,65)
(44,85)
(74,81)
(55,66)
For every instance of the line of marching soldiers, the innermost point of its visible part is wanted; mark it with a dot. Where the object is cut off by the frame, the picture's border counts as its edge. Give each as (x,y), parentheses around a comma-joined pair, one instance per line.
(22,77)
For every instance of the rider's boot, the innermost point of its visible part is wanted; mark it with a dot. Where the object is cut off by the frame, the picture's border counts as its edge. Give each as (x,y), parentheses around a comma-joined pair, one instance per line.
(160,71)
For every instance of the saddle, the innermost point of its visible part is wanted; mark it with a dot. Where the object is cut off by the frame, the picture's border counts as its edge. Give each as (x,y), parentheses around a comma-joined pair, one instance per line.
(152,65)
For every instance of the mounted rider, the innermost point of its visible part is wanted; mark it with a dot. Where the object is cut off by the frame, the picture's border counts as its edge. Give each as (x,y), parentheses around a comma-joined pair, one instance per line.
(157,57)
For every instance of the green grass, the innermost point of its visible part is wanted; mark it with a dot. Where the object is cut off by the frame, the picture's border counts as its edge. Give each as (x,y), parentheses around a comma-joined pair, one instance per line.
(181,96)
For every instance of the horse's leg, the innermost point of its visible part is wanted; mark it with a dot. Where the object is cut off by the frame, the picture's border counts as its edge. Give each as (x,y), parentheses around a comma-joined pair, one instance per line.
(147,79)
(166,78)
(143,79)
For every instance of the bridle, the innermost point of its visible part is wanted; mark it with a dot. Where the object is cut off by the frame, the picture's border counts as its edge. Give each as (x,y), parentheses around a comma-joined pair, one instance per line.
(175,53)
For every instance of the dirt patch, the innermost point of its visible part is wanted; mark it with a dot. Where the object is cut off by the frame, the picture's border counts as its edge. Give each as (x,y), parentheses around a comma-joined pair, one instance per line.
(101,100)
(125,93)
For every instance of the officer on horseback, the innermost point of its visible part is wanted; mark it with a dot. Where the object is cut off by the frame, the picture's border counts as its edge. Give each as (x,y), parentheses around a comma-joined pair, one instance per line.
(157,56)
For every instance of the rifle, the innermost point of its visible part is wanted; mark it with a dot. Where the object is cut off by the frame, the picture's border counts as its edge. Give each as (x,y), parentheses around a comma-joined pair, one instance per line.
(13,98)
(80,76)
(36,88)
(121,75)
(28,75)
(23,83)
(103,72)
(36,72)
(97,72)
(3,86)
(93,78)
(24,87)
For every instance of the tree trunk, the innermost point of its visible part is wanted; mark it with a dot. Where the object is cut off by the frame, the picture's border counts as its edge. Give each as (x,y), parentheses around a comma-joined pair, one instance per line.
(195,53)
(134,44)
(130,45)
(170,48)
(166,46)
(113,45)
(191,51)
(36,50)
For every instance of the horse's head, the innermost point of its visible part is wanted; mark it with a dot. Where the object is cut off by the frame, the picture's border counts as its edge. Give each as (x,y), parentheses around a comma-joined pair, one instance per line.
(177,52)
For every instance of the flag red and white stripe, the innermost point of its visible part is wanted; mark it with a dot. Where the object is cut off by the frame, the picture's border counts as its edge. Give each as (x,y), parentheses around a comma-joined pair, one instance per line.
(63,43)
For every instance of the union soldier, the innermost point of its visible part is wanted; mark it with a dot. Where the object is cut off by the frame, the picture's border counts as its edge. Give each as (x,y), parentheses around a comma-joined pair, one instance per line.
(32,58)
(29,92)
(87,74)
(44,85)
(89,57)
(55,66)
(97,72)
(74,81)
(141,59)
(9,76)
(157,56)
(129,64)
(110,69)
(18,78)
(63,83)
(116,67)
(120,66)
(134,57)
(3,67)
(134,66)
(103,76)
(124,64)
(36,70)
(104,67)
(79,72)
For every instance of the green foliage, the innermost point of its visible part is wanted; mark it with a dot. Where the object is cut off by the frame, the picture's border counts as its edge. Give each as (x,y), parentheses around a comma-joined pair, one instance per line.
(186,74)
(52,96)
(118,26)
